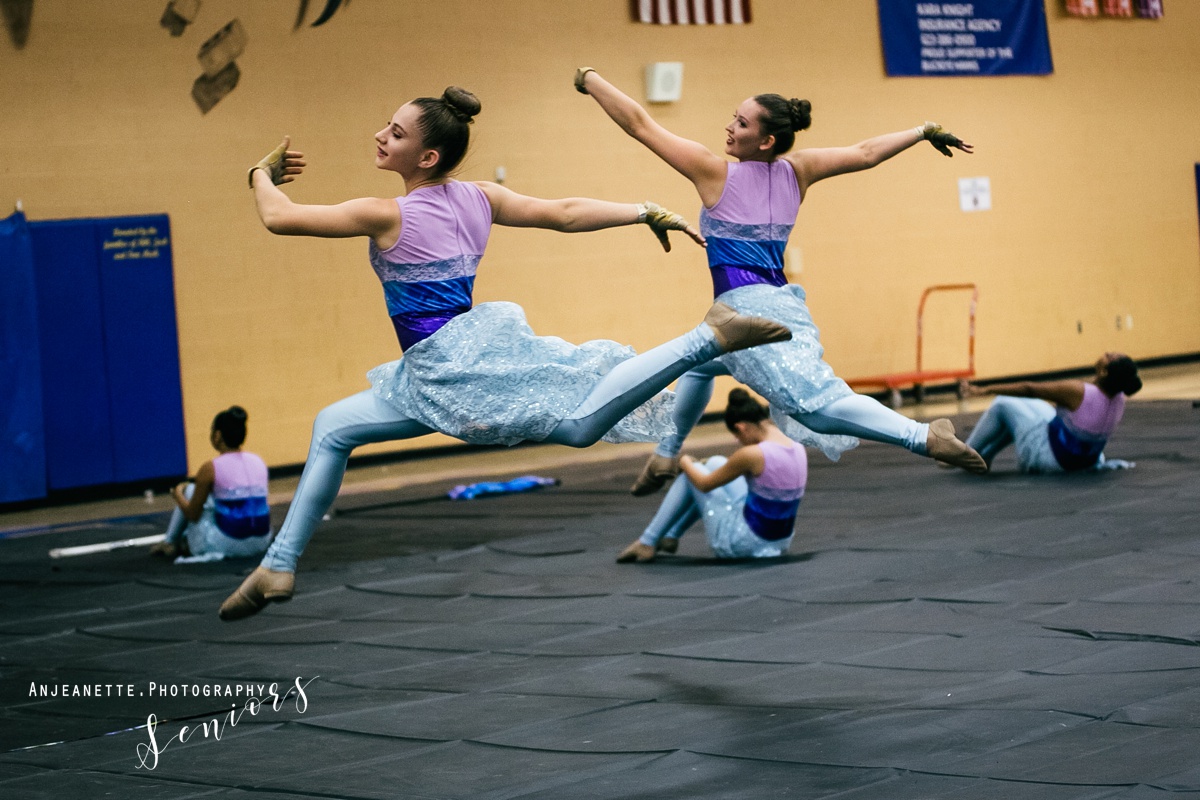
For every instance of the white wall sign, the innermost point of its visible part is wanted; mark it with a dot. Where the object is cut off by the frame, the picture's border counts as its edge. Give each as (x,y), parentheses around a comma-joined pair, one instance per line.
(975,194)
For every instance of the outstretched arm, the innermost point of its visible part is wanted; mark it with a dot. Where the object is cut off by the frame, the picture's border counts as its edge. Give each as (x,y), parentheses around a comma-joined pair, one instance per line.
(744,461)
(1068,393)
(376,217)
(814,164)
(691,159)
(578,214)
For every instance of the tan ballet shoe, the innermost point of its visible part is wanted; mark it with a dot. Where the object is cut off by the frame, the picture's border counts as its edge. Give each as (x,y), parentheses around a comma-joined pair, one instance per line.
(641,553)
(164,549)
(944,446)
(657,471)
(667,544)
(736,331)
(260,587)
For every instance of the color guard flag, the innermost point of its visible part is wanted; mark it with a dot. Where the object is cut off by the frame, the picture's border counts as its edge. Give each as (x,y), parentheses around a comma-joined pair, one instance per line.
(1083,8)
(691,12)
(1149,9)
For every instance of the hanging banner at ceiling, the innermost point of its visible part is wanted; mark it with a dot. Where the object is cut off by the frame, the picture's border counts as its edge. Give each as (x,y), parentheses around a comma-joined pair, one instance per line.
(986,37)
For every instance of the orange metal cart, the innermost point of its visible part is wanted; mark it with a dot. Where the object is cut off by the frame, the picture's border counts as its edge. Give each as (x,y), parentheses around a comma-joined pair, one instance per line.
(919,377)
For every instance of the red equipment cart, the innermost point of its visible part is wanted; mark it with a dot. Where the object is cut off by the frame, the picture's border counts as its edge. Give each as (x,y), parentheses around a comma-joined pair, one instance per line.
(919,377)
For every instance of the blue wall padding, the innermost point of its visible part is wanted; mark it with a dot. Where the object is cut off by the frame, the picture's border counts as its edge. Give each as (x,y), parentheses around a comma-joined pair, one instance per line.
(79,438)
(137,291)
(110,353)
(22,439)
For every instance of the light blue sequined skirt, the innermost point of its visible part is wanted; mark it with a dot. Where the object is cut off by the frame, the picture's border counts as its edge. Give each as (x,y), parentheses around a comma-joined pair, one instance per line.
(792,376)
(486,378)
(730,536)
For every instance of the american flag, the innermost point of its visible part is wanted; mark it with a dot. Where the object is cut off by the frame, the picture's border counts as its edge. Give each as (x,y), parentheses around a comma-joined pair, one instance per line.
(691,12)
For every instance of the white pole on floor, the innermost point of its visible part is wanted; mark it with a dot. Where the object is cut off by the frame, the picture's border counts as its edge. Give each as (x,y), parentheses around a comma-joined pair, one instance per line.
(104,547)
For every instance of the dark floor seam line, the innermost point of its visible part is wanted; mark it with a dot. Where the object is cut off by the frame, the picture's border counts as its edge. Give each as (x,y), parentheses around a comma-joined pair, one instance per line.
(348,685)
(495,596)
(528,749)
(547,554)
(1117,636)
(151,777)
(379,646)
(909,770)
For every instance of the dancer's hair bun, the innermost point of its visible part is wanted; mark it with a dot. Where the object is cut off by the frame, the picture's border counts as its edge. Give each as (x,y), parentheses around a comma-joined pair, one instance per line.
(464,104)
(801,113)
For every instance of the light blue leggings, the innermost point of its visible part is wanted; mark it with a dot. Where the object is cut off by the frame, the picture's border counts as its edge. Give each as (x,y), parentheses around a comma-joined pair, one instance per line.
(853,415)
(684,504)
(1013,420)
(364,418)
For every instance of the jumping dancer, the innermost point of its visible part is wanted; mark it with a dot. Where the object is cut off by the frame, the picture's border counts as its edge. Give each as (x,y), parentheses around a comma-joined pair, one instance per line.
(479,374)
(747,502)
(223,512)
(1056,426)
(749,208)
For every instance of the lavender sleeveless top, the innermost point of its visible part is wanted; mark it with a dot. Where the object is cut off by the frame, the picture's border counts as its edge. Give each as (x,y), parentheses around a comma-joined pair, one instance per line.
(774,496)
(748,228)
(429,273)
(239,495)
(1077,437)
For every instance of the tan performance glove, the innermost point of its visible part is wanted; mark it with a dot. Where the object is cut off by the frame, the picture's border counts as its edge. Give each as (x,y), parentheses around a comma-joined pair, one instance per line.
(943,140)
(661,220)
(275,164)
(580,74)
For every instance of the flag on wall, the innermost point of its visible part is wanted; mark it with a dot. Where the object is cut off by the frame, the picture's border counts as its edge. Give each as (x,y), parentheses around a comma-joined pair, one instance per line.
(691,12)
(1149,9)
(1146,9)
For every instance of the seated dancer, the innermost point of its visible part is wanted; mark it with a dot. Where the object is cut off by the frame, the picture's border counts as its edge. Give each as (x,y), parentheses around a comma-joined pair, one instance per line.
(479,374)
(749,207)
(1067,436)
(223,512)
(747,502)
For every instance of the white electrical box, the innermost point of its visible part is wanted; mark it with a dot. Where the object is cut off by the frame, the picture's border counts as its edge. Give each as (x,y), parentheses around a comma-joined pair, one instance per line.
(664,81)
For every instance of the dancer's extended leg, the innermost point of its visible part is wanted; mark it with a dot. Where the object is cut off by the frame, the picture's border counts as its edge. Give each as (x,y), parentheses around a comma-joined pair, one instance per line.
(636,380)
(357,420)
(692,394)
(867,418)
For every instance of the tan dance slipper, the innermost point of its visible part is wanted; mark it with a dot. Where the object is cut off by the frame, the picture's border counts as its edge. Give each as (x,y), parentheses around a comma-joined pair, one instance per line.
(947,448)
(260,587)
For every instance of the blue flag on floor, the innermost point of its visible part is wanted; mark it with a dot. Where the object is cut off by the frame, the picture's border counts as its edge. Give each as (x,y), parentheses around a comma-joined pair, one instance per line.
(525,484)
(984,37)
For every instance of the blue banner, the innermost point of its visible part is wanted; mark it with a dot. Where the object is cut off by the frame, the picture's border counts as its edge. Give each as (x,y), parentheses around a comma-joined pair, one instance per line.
(986,37)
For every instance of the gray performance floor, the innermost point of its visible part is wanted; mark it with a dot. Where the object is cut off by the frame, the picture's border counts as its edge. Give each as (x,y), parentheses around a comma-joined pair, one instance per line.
(932,635)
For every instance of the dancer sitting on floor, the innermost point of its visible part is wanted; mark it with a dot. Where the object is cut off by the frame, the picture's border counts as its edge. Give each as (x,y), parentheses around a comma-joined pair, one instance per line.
(222,512)
(749,208)
(1067,436)
(747,502)
(479,374)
